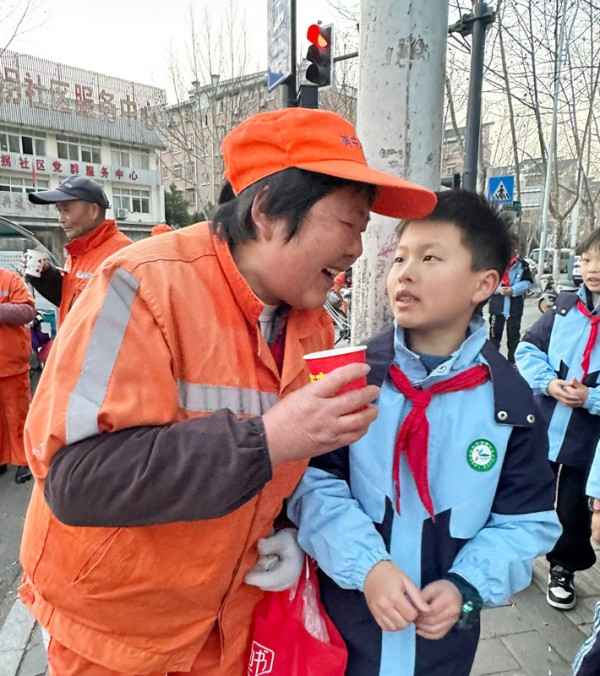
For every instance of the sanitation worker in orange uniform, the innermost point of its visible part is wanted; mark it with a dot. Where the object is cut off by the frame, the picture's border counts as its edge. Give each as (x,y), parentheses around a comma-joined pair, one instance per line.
(91,238)
(16,311)
(174,415)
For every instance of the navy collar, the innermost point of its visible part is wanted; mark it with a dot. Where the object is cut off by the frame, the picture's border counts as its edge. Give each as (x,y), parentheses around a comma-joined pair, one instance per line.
(513,400)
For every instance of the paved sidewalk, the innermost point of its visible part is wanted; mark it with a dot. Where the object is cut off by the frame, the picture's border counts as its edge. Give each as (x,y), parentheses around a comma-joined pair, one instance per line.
(527,638)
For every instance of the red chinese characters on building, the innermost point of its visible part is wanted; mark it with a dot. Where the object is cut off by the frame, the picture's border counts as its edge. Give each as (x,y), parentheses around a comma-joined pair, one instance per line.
(74,168)
(5,161)
(104,172)
(89,170)
(24,163)
(84,100)
(40,165)
(56,166)
(119,174)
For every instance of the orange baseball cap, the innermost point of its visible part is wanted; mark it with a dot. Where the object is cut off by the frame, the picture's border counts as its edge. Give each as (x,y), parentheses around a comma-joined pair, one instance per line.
(319,141)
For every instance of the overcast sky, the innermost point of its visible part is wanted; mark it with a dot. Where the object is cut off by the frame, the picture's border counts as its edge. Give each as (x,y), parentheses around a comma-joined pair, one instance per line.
(134,39)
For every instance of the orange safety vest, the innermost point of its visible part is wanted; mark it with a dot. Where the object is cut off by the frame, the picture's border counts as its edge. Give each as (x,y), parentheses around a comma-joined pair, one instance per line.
(170,332)
(15,341)
(85,255)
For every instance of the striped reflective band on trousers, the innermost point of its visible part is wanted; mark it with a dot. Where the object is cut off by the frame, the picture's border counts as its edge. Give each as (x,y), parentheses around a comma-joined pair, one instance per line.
(103,348)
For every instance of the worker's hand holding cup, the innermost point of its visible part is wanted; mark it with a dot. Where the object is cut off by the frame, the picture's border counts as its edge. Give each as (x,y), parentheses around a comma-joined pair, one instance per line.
(332,412)
(326,361)
(35,262)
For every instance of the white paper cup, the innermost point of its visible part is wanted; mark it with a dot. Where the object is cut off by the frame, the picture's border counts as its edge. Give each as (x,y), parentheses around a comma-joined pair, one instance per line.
(35,262)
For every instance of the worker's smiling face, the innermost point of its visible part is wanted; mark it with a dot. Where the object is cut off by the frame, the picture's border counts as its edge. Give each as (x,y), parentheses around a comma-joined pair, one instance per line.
(300,272)
(77,217)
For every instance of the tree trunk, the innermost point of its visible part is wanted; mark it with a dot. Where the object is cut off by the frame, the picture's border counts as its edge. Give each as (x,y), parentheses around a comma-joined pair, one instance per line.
(400,113)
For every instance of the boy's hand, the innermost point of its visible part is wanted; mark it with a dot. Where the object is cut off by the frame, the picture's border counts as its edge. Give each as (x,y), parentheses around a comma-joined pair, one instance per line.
(393,599)
(562,391)
(445,602)
(577,390)
(596,521)
(506,290)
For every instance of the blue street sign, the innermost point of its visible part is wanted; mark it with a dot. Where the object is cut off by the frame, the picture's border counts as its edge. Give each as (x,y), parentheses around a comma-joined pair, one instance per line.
(501,189)
(279,43)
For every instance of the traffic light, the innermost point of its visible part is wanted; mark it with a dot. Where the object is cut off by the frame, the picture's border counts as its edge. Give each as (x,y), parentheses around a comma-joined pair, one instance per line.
(320,55)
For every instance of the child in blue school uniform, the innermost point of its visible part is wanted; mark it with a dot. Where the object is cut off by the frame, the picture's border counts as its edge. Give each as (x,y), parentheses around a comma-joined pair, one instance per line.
(443,505)
(560,359)
(507,303)
(587,660)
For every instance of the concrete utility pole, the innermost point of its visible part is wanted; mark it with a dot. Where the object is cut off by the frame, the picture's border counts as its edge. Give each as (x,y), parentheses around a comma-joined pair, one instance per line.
(400,106)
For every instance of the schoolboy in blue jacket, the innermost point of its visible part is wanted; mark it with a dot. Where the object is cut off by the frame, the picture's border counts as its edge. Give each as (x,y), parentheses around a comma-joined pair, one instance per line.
(444,503)
(508,301)
(560,359)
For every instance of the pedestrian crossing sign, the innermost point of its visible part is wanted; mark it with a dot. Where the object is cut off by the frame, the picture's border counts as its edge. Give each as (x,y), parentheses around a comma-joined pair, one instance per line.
(501,189)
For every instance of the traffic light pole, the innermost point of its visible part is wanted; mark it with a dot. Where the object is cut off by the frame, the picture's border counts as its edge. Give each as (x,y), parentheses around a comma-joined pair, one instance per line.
(482,16)
(290,83)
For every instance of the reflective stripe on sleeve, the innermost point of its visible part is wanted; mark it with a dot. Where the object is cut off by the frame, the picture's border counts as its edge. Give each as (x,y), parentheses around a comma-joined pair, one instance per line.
(103,347)
(210,398)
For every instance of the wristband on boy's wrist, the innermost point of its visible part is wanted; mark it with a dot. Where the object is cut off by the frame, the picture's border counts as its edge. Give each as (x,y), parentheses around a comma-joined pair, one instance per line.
(472,602)
(591,502)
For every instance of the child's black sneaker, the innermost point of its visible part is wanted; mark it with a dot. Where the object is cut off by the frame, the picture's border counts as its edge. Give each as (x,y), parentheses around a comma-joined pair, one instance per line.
(561,589)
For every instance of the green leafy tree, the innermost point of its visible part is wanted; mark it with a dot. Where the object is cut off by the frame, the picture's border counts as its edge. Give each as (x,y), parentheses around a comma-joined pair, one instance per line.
(176,208)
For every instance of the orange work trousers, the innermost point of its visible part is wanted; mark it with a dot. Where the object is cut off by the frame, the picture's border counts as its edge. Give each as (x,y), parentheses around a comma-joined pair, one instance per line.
(64,662)
(15,396)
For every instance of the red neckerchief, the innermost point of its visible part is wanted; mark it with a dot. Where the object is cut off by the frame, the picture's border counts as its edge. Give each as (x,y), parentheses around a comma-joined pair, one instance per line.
(505,277)
(591,341)
(413,436)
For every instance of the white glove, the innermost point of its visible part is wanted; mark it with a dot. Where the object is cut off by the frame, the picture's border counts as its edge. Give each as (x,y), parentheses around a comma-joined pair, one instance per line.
(280,563)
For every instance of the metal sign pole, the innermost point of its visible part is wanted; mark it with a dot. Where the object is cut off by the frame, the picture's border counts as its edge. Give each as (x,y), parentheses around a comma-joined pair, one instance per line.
(292,94)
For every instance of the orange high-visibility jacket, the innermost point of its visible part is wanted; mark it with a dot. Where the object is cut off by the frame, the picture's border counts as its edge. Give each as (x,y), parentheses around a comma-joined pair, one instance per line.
(168,330)
(15,341)
(85,255)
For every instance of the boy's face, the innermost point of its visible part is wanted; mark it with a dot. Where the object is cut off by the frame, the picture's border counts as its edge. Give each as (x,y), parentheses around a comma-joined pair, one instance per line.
(431,284)
(590,269)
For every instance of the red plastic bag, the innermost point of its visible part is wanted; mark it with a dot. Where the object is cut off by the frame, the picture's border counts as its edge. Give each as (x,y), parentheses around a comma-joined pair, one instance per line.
(293,635)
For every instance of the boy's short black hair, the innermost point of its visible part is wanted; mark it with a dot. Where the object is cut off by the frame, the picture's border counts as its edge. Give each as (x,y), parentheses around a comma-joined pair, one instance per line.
(290,193)
(592,241)
(483,232)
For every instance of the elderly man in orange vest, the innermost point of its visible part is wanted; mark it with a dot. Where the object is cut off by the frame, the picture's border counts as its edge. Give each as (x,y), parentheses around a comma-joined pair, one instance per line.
(16,311)
(174,415)
(91,238)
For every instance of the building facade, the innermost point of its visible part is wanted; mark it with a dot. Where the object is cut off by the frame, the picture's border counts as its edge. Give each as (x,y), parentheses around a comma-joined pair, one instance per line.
(58,121)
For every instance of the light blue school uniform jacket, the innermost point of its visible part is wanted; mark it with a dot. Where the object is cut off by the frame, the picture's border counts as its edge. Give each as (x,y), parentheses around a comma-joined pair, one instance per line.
(520,280)
(553,348)
(492,490)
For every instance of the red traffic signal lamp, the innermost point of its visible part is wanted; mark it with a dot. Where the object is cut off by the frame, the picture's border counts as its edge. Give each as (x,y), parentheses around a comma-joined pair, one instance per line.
(320,55)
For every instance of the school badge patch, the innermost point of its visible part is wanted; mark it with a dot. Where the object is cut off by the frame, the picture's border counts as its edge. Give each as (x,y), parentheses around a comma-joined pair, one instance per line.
(482,455)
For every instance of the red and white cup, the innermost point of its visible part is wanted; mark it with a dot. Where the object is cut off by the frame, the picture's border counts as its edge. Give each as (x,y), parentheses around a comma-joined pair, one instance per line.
(34,262)
(321,363)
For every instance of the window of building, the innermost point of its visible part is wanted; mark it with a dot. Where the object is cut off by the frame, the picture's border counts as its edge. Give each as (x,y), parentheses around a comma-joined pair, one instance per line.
(90,154)
(133,201)
(120,157)
(178,171)
(24,144)
(21,184)
(140,159)
(189,172)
